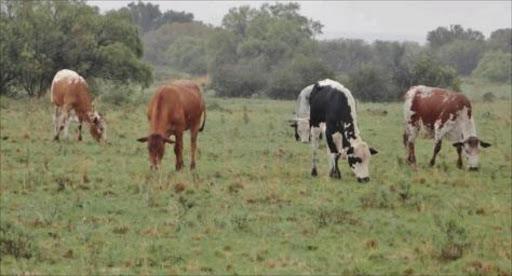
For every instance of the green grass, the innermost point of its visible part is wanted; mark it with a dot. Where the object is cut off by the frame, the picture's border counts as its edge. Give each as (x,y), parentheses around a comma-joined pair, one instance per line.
(250,207)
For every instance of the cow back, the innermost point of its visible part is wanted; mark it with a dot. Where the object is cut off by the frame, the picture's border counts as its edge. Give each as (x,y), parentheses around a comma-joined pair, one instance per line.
(430,104)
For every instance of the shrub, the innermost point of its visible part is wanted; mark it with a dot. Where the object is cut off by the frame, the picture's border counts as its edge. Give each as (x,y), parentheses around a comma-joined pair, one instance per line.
(455,241)
(287,80)
(240,80)
(495,66)
(427,71)
(116,92)
(14,241)
(371,83)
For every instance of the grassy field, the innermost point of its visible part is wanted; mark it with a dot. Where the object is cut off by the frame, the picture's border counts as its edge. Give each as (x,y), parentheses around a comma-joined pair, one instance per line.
(250,207)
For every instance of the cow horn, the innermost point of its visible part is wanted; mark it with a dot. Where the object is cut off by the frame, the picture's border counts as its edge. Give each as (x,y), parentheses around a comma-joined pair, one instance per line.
(143,139)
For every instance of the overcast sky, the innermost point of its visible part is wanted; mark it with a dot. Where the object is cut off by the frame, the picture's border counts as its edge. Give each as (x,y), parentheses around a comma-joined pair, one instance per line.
(369,20)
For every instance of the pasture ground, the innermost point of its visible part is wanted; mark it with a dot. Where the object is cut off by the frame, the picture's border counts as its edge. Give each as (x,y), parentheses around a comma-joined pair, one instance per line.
(250,207)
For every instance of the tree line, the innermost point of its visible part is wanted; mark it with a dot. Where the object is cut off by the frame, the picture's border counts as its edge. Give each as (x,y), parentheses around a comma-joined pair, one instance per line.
(270,51)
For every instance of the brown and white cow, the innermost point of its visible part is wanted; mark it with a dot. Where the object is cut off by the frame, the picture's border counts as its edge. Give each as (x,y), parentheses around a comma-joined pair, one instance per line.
(173,110)
(442,113)
(71,100)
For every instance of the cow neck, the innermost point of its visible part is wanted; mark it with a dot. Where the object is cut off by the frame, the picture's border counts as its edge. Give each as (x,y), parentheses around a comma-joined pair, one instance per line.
(468,128)
(160,119)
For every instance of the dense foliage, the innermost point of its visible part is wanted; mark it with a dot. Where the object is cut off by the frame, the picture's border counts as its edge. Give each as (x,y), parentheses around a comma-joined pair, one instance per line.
(495,66)
(41,37)
(268,51)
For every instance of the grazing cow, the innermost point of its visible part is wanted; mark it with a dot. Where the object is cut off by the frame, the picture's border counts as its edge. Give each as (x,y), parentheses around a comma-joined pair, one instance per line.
(300,122)
(331,103)
(71,100)
(442,113)
(173,110)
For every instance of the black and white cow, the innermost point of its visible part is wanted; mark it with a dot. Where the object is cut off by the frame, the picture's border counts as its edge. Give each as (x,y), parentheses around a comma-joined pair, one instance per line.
(331,103)
(300,122)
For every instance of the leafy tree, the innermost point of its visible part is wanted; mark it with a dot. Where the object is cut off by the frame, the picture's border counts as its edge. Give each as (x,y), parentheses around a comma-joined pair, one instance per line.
(371,83)
(290,78)
(377,83)
(148,17)
(256,47)
(345,55)
(427,71)
(44,37)
(158,42)
(500,40)
(462,55)
(188,54)
(442,35)
(495,66)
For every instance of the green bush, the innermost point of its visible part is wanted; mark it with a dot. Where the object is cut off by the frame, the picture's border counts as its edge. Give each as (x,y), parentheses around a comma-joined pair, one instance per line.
(495,66)
(427,71)
(287,80)
(244,79)
(118,93)
(371,83)
(374,83)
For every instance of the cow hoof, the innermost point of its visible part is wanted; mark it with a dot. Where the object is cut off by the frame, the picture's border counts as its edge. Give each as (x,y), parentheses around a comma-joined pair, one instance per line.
(432,164)
(192,166)
(56,139)
(79,138)
(314,172)
(335,174)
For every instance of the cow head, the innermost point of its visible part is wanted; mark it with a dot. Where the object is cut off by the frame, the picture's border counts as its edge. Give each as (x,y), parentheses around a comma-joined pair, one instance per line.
(98,126)
(156,147)
(302,129)
(358,158)
(471,147)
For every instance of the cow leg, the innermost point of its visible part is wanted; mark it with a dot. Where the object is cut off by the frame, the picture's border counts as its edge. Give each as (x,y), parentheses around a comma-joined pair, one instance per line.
(440,131)
(315,135)
(193,146)
(335,172)
(66,127)
(411,131)
(62,121)
(80,130)
(178,150)
(55,119)
(437,148)
(459,159)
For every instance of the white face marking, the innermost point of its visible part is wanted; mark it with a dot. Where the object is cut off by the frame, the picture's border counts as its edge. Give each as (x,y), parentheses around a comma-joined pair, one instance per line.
(303,130)
(471,155)
(360,169)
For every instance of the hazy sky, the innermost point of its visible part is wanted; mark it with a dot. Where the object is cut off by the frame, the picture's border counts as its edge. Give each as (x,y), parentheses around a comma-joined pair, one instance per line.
(390,20)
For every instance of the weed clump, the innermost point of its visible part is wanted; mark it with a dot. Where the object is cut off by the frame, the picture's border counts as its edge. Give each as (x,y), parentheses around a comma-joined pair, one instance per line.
(15,242)
(455,241)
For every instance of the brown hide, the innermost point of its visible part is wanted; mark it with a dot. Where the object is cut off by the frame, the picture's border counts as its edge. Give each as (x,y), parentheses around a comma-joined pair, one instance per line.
(173,110)
(74,95)
(440,104)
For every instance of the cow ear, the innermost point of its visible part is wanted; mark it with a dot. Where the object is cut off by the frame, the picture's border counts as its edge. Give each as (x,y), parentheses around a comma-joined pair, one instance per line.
(458,144)
(350,150)
(143,139)
(373,151)
(484,144)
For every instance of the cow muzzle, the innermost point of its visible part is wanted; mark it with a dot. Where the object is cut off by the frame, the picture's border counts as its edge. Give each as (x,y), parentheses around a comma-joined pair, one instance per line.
(363,179)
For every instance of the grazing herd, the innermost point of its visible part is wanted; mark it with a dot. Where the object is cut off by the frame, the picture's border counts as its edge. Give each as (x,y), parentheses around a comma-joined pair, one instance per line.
(325,108)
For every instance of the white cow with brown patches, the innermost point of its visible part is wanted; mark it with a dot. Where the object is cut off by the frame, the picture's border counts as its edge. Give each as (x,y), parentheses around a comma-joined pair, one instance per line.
(71,100)
(444,114)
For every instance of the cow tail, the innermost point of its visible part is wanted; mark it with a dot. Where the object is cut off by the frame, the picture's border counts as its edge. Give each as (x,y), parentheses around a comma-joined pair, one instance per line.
(204,120)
